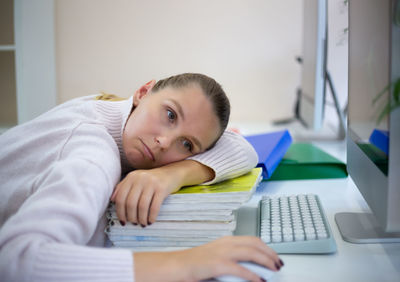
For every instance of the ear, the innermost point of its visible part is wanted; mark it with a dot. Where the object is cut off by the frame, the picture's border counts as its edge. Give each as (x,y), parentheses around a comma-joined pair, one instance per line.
(142,92)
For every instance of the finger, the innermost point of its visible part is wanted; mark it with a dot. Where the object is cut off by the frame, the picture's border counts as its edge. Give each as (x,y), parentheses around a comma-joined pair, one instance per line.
(115,192)
(252,248)
(132,202)
(267,250)
(237,270)
(262,259)
(120,199)
(245,253)
(256,243)
(156,203)
(144,205)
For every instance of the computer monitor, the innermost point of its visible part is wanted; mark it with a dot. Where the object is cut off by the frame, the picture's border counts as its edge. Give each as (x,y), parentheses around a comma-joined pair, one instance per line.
(315,78)
(373,137)
(312,97)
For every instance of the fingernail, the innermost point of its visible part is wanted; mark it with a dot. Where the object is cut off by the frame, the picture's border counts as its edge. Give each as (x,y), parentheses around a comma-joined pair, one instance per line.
(281,262)
(149,223)
(122,222)
(263,280)
(134,223)
(277,266)
(143,225)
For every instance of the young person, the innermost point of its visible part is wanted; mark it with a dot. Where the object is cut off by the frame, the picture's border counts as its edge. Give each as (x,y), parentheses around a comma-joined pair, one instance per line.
(59,172)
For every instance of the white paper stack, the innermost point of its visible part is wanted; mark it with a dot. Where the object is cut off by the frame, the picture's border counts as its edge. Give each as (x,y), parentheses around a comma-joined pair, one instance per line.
(190,217)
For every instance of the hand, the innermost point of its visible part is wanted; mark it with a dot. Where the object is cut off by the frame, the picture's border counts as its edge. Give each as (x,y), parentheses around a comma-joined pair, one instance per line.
(138,197)
(214,259)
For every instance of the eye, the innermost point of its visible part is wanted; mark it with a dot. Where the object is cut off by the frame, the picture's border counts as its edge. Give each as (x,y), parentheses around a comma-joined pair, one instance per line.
(188,145)
(171,115)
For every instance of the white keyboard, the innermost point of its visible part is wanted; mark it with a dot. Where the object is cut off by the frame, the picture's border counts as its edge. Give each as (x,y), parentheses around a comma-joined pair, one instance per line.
(295,224)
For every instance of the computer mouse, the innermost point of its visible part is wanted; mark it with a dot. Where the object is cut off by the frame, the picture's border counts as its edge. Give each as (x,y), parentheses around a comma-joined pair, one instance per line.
(261,271)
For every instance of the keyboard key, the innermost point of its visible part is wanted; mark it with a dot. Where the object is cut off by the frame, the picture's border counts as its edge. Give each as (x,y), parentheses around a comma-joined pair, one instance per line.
(295,224)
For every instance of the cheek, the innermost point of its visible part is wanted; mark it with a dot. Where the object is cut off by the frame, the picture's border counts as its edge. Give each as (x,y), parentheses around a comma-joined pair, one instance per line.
(173,155)
(140,125)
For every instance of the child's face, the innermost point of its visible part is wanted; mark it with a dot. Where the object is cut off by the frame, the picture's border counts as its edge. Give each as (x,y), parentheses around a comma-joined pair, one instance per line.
(169,125)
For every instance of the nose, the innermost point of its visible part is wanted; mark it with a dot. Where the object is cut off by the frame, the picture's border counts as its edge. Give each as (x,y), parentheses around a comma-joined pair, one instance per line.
(163,141)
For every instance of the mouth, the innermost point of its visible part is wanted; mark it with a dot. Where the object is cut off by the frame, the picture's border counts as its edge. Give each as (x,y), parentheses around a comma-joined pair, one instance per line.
(148,152)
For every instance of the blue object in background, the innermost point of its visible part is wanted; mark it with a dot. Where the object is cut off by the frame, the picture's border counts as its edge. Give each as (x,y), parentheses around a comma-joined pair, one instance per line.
(380,138)
(270,147)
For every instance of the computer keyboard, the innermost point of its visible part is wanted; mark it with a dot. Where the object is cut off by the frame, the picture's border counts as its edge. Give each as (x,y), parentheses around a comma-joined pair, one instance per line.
(295,224)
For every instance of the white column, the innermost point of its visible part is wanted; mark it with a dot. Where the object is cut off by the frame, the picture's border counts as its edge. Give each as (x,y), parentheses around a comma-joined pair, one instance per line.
(35,57)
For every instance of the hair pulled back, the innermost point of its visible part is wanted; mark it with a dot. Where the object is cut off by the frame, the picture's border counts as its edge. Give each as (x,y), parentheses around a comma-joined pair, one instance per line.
(210,87)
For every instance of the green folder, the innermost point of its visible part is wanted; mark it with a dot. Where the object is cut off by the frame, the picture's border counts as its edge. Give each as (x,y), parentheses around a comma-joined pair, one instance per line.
(306,161)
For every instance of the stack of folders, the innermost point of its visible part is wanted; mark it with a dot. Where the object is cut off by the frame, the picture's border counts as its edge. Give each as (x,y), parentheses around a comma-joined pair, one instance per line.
(190,217)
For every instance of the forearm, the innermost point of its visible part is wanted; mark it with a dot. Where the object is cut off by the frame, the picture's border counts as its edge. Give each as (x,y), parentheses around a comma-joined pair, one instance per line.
(189,172)
(213,259)
(168,267)
(230,157)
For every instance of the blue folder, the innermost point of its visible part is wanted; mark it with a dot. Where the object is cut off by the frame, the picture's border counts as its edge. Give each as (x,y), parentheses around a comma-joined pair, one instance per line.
(380,138)
(270,147)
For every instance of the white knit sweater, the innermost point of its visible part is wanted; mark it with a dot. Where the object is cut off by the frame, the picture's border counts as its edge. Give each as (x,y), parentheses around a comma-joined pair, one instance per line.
(57,174)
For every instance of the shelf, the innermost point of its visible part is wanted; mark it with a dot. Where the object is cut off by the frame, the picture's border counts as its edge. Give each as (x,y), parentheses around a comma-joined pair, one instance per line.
(8,105)
(27,60)
(6,22)
(7,48)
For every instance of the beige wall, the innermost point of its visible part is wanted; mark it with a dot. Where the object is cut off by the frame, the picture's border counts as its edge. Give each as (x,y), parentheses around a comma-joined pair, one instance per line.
(248,46)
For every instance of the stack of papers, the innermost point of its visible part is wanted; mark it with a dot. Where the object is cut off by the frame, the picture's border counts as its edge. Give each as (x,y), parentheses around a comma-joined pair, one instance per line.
(190,217)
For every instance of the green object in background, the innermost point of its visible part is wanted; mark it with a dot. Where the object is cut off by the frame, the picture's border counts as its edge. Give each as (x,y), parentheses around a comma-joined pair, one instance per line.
(306,161)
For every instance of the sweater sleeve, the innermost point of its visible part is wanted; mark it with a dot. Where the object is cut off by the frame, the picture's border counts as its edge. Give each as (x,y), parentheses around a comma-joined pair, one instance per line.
(231,156)
(45,240)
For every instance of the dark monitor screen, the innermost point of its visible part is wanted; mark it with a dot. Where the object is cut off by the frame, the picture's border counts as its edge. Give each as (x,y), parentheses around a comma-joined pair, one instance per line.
(369,78)
(373,140)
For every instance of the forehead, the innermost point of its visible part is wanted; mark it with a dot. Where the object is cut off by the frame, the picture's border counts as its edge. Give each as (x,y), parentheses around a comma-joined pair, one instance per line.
(196,116)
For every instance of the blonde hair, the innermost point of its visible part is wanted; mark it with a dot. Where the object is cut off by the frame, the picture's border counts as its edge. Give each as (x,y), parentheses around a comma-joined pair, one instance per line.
(109,97)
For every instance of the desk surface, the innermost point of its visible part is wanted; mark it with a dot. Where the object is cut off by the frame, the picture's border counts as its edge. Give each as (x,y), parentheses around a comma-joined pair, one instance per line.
(351,262)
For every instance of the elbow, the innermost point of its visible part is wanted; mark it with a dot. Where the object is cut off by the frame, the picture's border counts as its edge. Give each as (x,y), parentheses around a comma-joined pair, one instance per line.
(11,268)
(249,152)
(17,257)
(252,157)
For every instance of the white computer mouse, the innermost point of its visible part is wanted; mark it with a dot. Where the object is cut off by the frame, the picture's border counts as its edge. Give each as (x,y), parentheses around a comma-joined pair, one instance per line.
(261,271)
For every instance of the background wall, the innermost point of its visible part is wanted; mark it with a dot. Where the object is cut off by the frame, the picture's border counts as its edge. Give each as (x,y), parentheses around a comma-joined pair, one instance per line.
(248,46)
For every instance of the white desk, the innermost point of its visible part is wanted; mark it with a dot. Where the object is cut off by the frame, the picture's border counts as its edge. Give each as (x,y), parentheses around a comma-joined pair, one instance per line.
(351,262)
